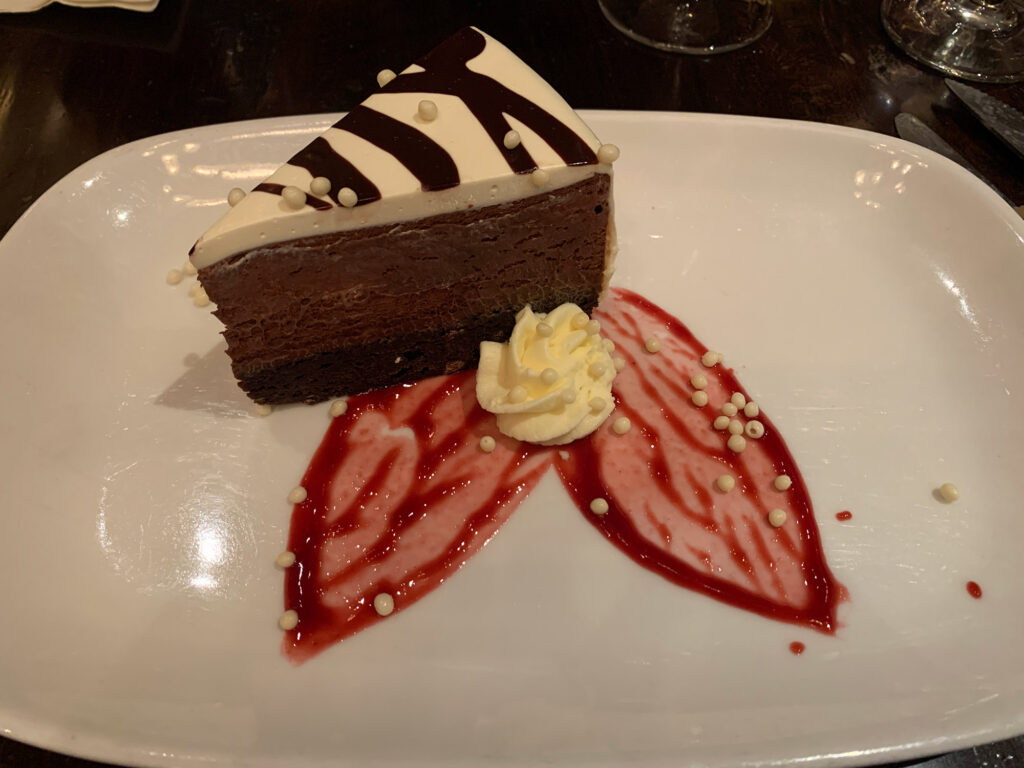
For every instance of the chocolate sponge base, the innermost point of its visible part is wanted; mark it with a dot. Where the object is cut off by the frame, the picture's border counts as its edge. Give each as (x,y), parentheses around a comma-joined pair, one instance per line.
(410,357)
(345,312)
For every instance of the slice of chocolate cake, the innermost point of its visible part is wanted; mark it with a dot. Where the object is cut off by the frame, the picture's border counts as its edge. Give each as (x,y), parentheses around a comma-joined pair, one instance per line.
(413,229)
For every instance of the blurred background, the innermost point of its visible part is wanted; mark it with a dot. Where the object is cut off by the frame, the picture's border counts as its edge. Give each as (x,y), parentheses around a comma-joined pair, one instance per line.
(75,82)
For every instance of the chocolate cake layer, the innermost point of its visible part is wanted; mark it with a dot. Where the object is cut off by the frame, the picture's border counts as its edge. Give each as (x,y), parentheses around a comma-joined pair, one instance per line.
(342,313)
(412,356)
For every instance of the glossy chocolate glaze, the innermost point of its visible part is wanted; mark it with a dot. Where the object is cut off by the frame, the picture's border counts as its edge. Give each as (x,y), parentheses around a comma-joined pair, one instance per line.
(426,160)
(445,72)
(277,189)
(487,99)
(321,160)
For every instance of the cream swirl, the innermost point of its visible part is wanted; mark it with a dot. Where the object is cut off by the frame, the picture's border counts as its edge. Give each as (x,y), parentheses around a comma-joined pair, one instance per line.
(551,383)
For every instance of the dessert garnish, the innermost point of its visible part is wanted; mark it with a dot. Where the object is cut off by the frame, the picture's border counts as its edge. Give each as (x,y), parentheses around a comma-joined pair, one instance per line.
(285,559)
(551,382)
(402,491)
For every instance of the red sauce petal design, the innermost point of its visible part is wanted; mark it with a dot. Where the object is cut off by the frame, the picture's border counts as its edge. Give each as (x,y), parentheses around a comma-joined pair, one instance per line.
(658,479)
(400,495)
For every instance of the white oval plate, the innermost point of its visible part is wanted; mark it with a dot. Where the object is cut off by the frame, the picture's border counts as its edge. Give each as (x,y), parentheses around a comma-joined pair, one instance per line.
(867,290)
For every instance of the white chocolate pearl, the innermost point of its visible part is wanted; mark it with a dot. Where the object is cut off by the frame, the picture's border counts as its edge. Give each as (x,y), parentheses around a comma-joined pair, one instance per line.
(735,427)
(700,381)
(385,76)
(189,268)
(174,277)
(297,495)
(652,345)
(285,560)
(949,492)
(235,196)
(711,358)
(607,153)
(487,444)
(597,370)
(195,288)
(539,177)
(549,376)
(725,483)
(721,422)
(262,409)
(579,322)
(599,507)
(384,604)
(201,299)
(569,396)
(544,329)
(593,327)
(338,408)
(597,403)
(777,517)
(517,394)
(782,483)
(619,362)
(754,429)
(729,409)
(751,411)
(738,400)
(320,186)
(347,197)
(294,197)
(736,443)
(512,140)
(621,425)
(427,110)
(289,620)
(609,345)
(699,398)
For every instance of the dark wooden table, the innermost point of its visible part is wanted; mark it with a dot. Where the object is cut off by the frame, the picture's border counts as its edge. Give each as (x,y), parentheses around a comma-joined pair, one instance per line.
(75,83)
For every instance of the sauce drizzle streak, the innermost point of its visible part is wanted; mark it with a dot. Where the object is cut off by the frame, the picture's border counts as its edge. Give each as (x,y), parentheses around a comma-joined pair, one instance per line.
(400,495)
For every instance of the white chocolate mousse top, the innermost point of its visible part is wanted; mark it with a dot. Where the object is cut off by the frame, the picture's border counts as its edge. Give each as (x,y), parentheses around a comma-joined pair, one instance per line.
(432,140)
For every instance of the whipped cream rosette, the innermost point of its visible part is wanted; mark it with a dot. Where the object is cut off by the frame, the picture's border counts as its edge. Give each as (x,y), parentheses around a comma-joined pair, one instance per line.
(551,383)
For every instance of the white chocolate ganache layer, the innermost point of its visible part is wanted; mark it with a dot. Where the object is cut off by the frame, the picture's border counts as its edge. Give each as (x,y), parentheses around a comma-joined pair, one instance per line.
(468,126)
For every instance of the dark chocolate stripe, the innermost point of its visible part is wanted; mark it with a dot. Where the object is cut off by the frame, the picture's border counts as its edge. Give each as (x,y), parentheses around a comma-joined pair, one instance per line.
(276,189)
(447,73)
(320,159)
(426,159)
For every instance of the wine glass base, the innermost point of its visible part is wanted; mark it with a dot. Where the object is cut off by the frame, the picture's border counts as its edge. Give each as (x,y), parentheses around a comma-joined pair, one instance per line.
(958,38)
(699,27)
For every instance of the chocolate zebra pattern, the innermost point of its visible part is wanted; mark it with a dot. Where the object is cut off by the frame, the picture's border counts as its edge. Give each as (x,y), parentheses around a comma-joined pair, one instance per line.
(386,153)
(320,159)
(444,72)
